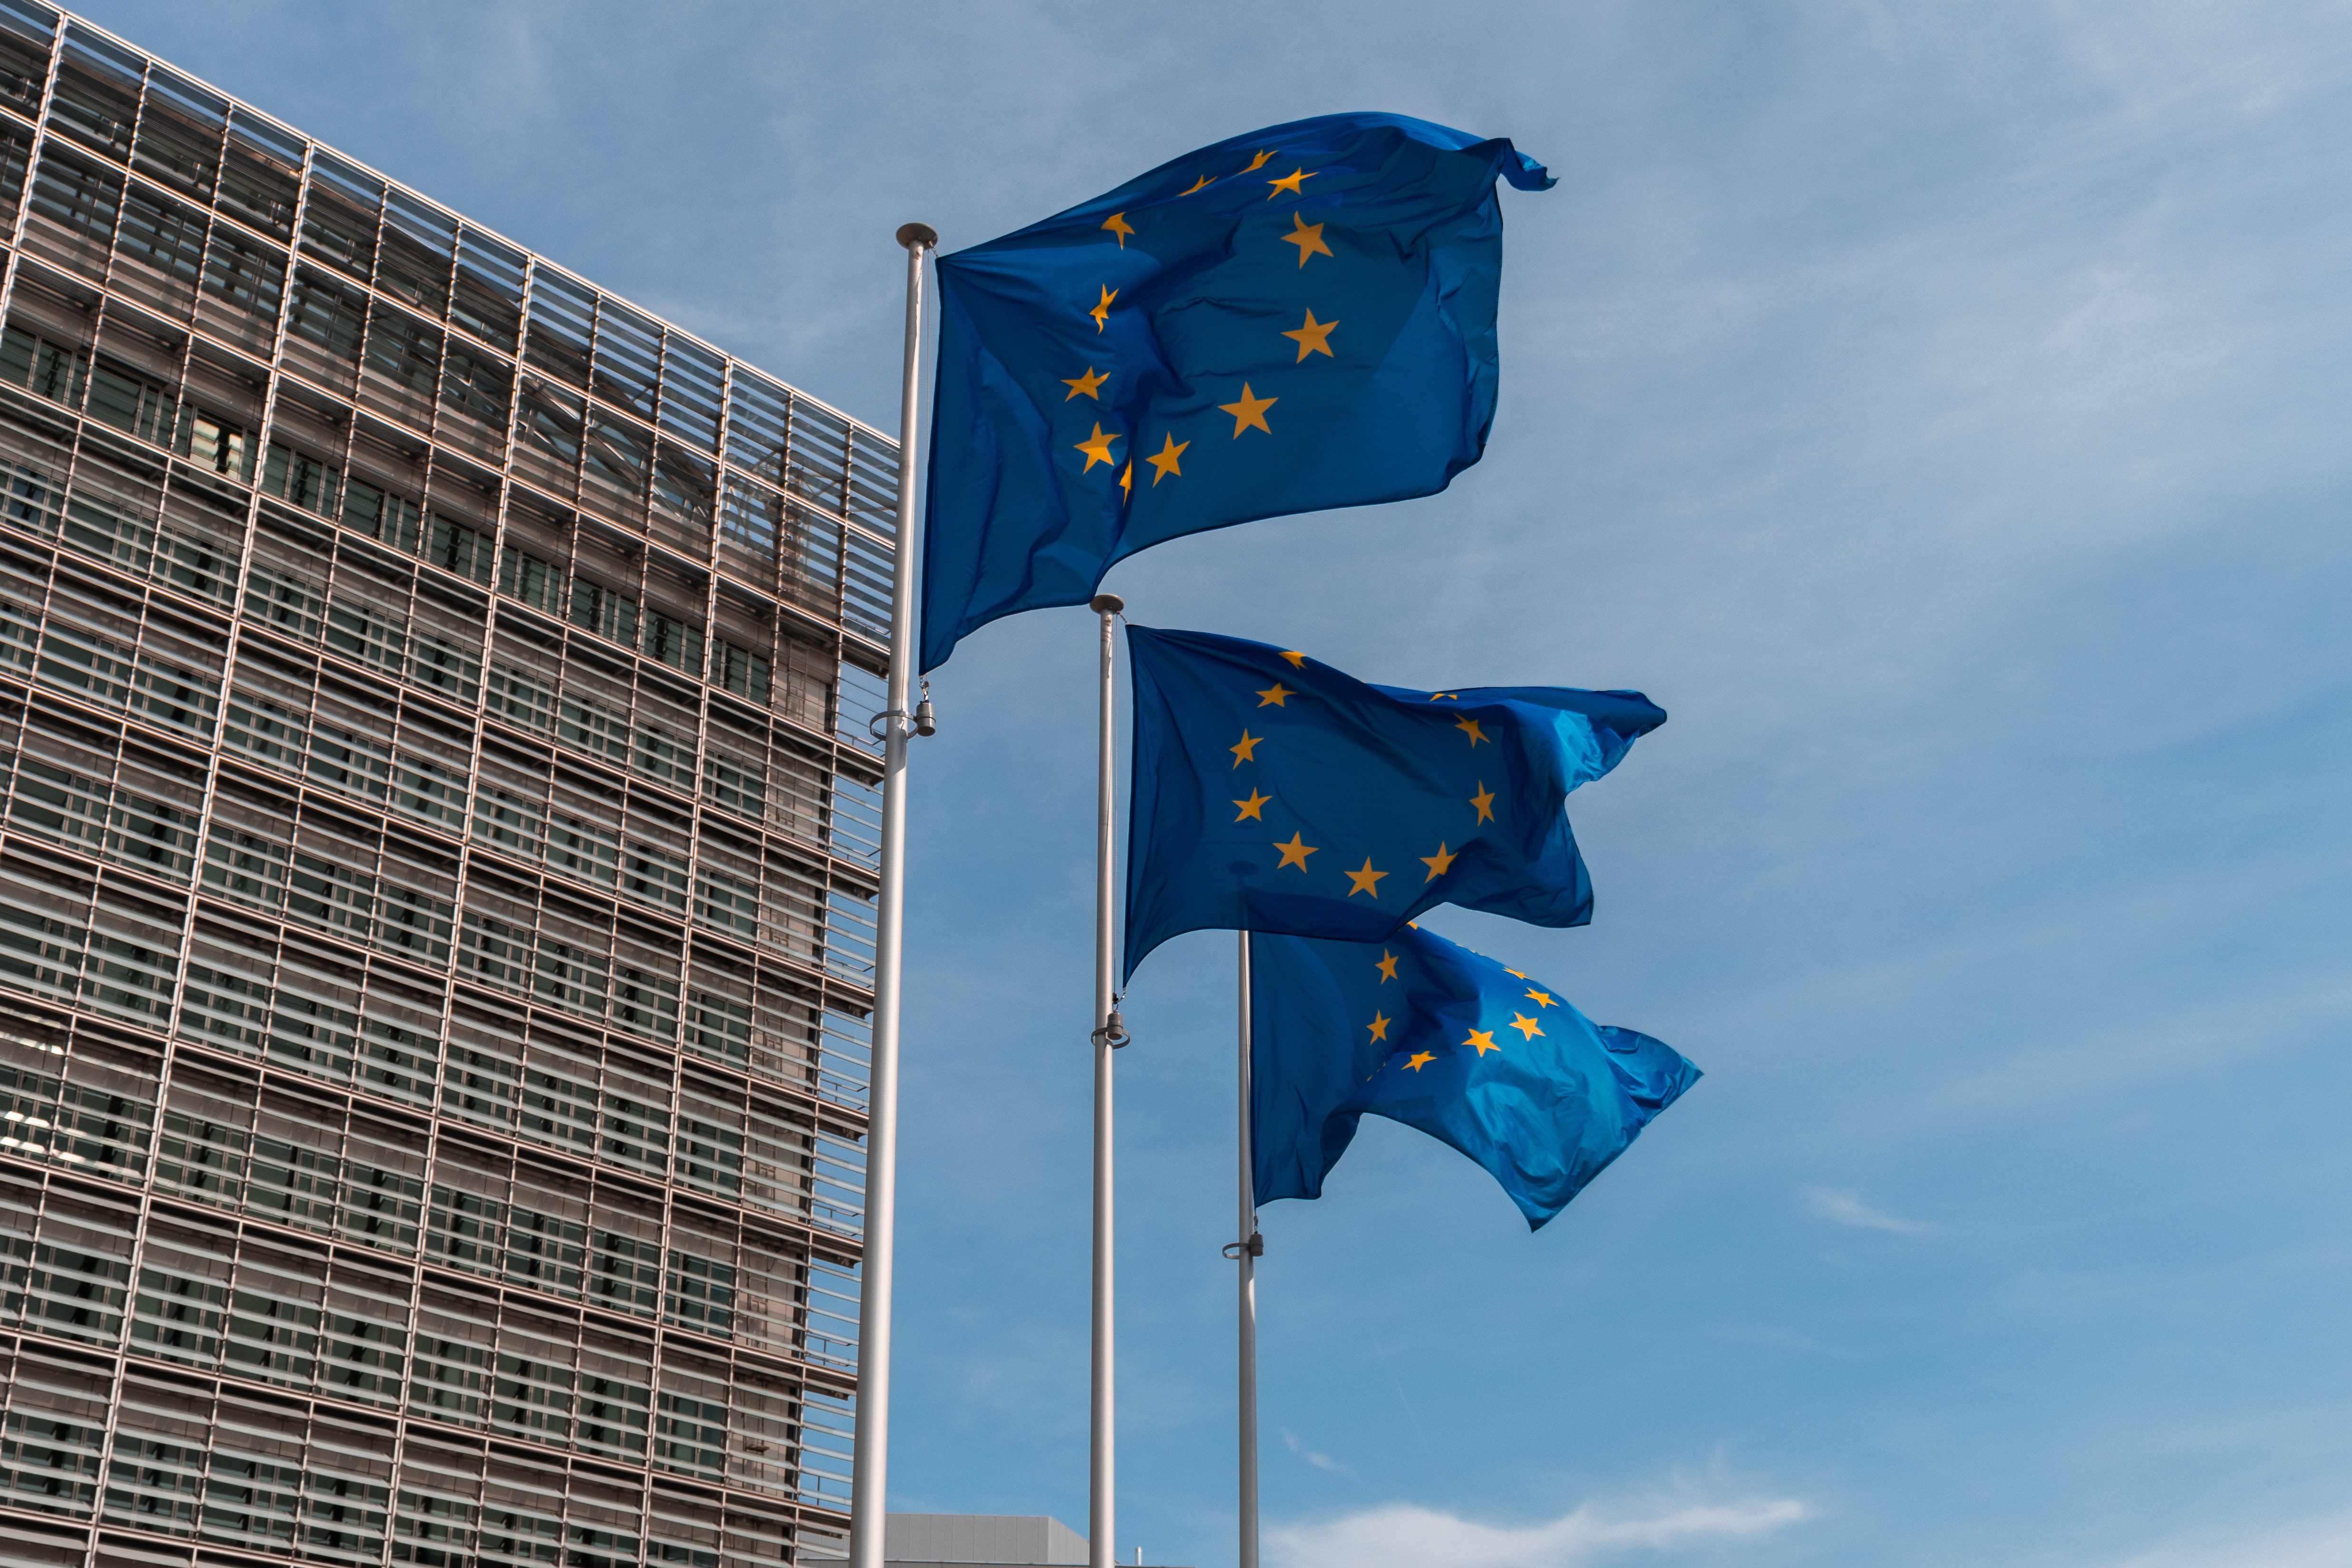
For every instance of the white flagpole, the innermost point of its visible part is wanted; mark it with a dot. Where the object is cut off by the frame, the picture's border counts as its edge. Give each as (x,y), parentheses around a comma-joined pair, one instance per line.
(1101,1477)
(870,1460)
(1247,1251)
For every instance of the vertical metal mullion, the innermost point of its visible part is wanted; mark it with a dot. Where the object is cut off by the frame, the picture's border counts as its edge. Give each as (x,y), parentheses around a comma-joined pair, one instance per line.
(106,284)
(692,788)
(212,777)
(826,980)
(688,956)
(130,164)
(637,660)
(458,903)
(33,151)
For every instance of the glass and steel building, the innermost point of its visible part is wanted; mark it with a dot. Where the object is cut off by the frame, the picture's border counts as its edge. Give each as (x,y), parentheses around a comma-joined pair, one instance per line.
(435,874)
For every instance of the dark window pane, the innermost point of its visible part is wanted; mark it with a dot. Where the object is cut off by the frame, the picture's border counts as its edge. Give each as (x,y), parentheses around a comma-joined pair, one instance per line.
(261,170)
(628,357)
(404,349)
(489,302)
(339,226)
(478,386)
(160,233)
(98,93)
(179,133)
(77,193)
(328,314)
(23,65)
(562,318)
(419,246)
(246,273)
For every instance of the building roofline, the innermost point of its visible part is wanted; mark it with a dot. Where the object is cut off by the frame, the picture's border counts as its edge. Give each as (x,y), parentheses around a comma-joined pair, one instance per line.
(26,7)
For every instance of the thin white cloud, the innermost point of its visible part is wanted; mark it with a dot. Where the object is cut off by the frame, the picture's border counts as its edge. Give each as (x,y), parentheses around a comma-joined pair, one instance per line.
(1403,1536)
(1320,1461)
(1776,1337)
(1847,1209)
(2323,1541)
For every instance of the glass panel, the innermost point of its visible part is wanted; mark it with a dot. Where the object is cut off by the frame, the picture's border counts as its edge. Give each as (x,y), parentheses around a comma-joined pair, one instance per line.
(26,31)
(693,378)
(162,234)
(261,172)
(628,358)
(97,92)
(180,133)
(818,467)
(246,273)
(562,320)
(79,196)
(759,424)
(874,483)
(420,243)
(489,297)
(339,227)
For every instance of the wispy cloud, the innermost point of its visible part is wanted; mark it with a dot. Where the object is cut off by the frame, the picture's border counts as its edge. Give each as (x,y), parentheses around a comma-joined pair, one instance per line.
(1847,1209)
(2321,1542)
(1403,1536)
(1779,1338)
(1320,1461)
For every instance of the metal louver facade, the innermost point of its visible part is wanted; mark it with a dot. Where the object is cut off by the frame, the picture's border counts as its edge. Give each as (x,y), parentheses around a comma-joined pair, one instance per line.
(436,865)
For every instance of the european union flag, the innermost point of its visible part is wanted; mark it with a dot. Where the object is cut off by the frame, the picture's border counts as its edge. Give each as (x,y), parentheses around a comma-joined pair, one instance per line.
(1427,1033)
(1293,319)
(1274,793)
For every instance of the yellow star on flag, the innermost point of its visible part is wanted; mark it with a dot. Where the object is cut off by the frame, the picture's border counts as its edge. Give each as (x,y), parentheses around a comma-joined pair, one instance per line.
(1307,236)
(1542,999)
(1438,863)
(1087,386)
(1438,696)
(1096,448)
(1247,751)
(1116,223)
(1292,182)
(1199,184)
(1261,161)
(1469,727)
(1380,1026)
(1525,1025)
(1483,1040)
(1387,966)
(1420,1059)
(1484,800)
(1366,881)
(1126,479)
(1253,806)
(1298,660)
(1249,413)
(1295,852)
(1274,696)
(1164,461)
(1515,974)
(1315,338)
(1101,312)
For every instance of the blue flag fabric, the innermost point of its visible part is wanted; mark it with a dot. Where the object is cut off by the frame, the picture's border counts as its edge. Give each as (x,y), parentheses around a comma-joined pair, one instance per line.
(1272,792)
(1427,1033)
(1298,318)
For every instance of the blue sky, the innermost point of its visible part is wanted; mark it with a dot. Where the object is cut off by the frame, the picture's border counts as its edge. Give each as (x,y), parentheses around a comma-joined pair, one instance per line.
(1940,410)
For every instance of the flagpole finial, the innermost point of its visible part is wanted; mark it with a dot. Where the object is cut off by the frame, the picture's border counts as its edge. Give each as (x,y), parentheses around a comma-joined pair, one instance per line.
(1105,604)
(914,234)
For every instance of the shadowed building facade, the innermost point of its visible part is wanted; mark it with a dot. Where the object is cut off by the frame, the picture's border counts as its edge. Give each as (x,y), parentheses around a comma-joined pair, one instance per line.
(435,874)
